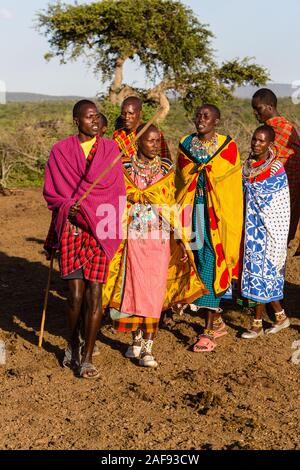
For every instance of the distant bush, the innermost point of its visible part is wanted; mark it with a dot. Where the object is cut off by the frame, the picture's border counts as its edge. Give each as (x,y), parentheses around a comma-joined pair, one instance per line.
(28,131)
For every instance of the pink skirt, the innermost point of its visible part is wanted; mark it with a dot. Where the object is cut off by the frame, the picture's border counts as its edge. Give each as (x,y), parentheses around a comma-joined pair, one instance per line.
(146,277)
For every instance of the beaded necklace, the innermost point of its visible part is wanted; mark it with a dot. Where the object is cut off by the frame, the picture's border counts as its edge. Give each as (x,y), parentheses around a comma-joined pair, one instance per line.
(204,148)
(250,172)
(147,171)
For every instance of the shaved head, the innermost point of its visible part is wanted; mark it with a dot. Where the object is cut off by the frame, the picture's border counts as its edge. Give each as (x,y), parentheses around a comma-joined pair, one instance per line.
(151,128)
(80,105)
(131,113)
(134,101)
(214,109)
(267,130)
(265,96)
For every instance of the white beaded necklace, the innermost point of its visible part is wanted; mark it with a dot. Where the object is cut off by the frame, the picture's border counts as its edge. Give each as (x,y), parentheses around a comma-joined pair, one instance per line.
(147,171)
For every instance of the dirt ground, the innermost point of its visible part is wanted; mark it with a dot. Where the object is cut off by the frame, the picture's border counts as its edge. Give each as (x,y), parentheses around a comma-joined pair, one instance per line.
(243,395)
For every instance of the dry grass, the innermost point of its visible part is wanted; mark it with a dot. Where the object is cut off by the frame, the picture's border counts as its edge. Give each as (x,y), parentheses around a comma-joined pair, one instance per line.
(28,131)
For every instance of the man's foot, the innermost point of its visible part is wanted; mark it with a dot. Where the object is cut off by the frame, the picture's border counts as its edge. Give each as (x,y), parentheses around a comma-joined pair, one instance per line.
(87,370)
(72,357)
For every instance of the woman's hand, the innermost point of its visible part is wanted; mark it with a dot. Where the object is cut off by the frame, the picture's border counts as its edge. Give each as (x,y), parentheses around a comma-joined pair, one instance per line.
(184,257)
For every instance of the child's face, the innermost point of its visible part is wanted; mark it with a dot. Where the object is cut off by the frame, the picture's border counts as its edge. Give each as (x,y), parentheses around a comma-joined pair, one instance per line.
(260,144)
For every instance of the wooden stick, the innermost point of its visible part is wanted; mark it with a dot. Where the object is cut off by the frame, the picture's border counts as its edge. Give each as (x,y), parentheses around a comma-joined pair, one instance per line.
(46,299)
(118,157)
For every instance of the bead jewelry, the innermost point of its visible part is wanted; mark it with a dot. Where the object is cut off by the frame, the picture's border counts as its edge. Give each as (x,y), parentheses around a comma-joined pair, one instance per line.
(147,171)
(204,148)
(249,172)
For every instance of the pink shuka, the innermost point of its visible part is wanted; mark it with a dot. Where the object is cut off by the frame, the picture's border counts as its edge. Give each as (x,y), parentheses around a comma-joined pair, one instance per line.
(67,178)
(148,259)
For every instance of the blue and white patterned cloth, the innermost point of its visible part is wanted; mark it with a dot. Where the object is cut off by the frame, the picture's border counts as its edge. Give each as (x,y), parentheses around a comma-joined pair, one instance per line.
(266,231)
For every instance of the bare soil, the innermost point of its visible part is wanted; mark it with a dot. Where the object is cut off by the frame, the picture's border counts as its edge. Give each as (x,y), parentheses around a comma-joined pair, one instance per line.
(243,395)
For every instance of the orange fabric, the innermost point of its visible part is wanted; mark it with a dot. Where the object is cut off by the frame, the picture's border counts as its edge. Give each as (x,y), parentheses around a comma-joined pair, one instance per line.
(123,139)
(287,142)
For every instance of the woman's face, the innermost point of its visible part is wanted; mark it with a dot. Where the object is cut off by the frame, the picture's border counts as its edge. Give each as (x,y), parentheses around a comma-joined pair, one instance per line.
(149,144)
(260,143)
(205,120)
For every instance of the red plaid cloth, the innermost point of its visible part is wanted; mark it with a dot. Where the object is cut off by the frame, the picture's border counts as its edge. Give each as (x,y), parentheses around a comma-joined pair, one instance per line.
(79,249)
(93,150)
(51,241)
(124,139)
(287,142)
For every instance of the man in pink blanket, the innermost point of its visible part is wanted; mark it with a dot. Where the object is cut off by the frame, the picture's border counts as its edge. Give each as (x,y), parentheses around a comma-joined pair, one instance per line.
(87,235)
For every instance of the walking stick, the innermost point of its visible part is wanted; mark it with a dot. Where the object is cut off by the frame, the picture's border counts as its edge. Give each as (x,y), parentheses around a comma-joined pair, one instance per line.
(83,197)
(46,299)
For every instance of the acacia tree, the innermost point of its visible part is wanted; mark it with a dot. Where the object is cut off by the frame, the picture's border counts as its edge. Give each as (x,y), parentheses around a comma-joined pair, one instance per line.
(164,36)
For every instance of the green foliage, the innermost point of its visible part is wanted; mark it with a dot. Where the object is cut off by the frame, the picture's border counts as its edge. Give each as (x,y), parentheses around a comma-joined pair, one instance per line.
(34,127)
(163,35)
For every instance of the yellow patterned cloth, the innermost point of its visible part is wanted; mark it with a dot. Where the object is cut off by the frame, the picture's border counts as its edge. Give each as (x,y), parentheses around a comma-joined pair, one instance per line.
(223,190)
(183,283)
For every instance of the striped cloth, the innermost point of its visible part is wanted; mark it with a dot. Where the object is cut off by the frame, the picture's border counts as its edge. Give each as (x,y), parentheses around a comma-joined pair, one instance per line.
(123,139)
(79,249)
(132,323)
(287,141)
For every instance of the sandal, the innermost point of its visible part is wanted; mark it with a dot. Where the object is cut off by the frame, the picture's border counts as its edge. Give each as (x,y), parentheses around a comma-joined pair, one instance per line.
(87,370)
(205,343)
(96,351)
(220,331)
(71,358)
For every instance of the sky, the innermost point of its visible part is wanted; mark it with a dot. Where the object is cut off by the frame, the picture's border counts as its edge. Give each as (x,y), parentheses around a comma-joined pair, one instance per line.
(267,30)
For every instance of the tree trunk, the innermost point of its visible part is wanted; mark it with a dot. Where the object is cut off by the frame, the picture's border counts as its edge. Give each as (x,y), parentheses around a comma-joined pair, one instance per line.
(158,94)
(165,106)
(116,85)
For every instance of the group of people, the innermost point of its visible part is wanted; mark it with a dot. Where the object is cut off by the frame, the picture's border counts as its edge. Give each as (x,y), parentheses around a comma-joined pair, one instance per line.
(154,234)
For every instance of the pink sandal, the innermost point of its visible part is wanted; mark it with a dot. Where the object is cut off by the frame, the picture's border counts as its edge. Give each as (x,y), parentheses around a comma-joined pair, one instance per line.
(204,343)
(221,331)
